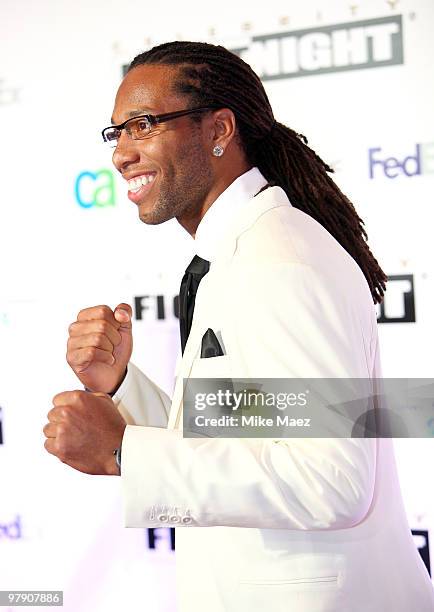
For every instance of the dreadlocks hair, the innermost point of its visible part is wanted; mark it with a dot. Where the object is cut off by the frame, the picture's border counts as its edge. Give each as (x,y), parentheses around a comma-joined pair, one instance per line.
(210,75)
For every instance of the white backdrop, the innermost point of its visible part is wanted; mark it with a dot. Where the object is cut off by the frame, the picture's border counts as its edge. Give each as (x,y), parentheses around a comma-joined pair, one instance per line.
(68,240)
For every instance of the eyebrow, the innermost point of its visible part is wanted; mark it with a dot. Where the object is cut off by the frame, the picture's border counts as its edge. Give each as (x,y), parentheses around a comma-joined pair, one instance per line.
(136,113)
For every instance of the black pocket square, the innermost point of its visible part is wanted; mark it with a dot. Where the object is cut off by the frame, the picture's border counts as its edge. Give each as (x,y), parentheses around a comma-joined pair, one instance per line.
(210,345)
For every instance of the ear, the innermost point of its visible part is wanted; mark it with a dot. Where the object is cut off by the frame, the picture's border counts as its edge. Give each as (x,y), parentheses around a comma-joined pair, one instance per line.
(224,127)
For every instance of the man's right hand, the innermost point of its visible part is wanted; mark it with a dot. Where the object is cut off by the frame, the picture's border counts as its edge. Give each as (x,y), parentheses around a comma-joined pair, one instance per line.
(100,344)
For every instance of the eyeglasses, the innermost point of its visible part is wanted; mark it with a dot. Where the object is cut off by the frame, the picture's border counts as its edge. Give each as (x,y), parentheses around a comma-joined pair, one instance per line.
(140,126)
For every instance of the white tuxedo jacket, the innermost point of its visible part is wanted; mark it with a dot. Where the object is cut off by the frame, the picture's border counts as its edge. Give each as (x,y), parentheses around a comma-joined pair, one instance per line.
(289,525)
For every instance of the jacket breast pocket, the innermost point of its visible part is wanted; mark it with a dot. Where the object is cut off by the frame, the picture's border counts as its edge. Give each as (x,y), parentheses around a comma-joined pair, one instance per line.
(208,377)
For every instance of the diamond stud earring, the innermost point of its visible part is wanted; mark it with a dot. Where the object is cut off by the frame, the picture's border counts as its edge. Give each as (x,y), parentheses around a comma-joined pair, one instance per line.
(218,151)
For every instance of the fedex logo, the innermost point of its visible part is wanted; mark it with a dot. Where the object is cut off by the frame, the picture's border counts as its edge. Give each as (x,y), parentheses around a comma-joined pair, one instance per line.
(419,161)
(11,530)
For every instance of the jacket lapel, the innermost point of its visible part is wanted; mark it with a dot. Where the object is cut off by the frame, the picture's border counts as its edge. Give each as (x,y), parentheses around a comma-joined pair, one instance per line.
(268,199)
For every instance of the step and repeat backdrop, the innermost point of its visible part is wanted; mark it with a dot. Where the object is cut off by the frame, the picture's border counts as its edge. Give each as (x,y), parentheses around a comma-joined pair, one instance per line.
(354,77)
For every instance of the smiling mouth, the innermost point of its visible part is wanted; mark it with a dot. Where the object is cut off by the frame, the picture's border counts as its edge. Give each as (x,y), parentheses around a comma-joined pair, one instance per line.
(139,186)
(138,182)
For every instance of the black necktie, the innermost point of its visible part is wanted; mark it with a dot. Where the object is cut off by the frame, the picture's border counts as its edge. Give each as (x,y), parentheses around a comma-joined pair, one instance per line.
(194,273)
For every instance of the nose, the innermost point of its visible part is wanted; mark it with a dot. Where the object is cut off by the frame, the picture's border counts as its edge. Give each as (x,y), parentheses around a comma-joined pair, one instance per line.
(126,152)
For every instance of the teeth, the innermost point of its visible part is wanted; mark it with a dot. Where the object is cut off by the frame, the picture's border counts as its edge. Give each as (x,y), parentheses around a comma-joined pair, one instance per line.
(136,183)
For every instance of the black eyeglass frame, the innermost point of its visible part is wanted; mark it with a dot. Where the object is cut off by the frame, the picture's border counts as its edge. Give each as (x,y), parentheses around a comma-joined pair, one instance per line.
(156,119)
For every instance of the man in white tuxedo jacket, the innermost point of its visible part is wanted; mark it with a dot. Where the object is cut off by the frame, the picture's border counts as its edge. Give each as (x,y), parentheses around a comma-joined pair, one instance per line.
(278,525)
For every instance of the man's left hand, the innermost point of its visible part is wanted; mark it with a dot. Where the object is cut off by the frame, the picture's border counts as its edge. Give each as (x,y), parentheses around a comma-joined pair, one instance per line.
(83,431)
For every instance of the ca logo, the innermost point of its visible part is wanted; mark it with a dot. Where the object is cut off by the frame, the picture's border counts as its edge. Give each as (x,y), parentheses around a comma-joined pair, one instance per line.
(95,188)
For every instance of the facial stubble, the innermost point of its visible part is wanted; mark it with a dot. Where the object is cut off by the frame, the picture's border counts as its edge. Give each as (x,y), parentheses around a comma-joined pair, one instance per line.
(184,187)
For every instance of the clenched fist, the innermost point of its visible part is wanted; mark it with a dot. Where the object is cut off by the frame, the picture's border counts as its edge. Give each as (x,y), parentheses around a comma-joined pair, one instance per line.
(83,430)
(100,344)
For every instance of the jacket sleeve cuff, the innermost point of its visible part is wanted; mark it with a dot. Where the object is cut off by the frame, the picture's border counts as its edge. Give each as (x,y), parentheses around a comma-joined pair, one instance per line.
(140,401)
(143,448)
